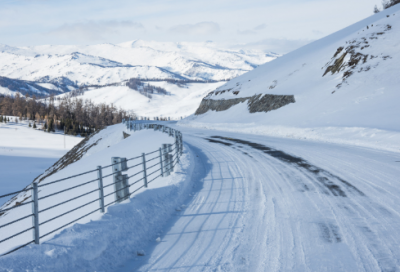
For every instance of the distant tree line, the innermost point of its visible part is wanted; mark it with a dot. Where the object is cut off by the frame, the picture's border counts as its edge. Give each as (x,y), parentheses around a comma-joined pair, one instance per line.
(74,116)
(386,4)
(145,89)
(137,84)
(180,81)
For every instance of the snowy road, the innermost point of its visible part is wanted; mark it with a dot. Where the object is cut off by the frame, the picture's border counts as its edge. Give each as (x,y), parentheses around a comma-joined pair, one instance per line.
(269,204)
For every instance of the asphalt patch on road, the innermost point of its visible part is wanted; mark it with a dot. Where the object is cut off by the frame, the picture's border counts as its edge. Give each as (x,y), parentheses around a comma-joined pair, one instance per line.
(333,184)
(218,142)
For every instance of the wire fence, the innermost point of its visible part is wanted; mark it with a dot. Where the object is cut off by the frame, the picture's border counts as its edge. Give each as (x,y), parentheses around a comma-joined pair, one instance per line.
(52,206)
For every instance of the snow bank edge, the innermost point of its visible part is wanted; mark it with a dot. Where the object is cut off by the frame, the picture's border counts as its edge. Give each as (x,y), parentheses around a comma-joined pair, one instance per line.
(355,136)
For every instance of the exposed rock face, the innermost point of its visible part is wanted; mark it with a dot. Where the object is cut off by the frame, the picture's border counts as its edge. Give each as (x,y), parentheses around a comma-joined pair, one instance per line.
(268,102)
(218,105)
(256,103)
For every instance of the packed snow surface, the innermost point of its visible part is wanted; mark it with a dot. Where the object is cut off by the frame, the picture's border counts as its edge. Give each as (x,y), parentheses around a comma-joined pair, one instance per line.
(239,202)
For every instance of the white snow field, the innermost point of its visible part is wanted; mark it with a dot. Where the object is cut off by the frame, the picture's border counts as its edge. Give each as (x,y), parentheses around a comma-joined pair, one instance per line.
(358,104)
(238,202)
(25,153)
(181,102)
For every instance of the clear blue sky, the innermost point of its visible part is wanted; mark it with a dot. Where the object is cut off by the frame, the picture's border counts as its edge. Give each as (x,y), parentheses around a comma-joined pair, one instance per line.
(262,24)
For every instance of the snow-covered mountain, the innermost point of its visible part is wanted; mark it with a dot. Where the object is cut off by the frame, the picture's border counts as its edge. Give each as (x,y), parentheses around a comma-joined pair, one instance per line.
(64,68)
(349,79)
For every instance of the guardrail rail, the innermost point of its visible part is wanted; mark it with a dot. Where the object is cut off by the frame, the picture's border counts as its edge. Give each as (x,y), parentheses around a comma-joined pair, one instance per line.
(102,191)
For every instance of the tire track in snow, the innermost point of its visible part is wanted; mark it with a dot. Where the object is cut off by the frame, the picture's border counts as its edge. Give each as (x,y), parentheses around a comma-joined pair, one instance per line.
(384,257)
(216,258)
(208,223)
(289,220)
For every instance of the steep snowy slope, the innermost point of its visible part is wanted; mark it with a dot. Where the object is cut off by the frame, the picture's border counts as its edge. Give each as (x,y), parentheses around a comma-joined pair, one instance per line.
(348,79)
(9,86)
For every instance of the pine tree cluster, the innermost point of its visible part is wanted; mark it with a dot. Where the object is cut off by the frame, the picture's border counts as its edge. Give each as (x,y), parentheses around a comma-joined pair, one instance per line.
(4,119)
(71,115)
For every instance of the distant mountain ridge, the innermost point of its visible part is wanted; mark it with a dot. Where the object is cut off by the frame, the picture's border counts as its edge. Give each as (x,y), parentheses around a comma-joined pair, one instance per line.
(67,67)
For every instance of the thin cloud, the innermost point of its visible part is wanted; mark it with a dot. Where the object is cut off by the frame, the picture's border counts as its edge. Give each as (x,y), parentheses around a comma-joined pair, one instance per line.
(251,31)
(203,28)
(281,46)
(94,30)
(246,32)
(260,27)
(317,32)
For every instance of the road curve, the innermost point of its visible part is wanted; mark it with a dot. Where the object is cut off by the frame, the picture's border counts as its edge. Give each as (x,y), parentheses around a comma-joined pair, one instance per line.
(269,204)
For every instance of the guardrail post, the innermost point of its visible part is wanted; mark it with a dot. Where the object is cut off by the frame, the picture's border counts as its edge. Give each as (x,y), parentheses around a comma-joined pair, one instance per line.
(35,212)
(101,190)
(144,170)
(166,160)
(161,162)
(170,159)
(177,148)
(181,143)
(171,162)
(120,181)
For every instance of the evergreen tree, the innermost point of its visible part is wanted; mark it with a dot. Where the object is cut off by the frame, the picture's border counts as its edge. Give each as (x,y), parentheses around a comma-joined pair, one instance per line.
(34,125)
(49,127)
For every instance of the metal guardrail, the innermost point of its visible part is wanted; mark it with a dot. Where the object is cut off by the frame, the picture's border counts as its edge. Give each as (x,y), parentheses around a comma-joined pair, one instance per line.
(166,157)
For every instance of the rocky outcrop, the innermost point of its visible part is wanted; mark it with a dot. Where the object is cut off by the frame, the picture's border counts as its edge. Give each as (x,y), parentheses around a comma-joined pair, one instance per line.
(268,102)
(256,103)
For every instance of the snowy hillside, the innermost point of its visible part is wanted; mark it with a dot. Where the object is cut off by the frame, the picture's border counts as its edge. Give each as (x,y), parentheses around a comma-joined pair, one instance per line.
(181,101)
(64,68)
(348,81)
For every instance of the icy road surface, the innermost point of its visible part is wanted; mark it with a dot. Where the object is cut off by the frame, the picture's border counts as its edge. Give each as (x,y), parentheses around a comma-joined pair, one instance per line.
(270,204)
